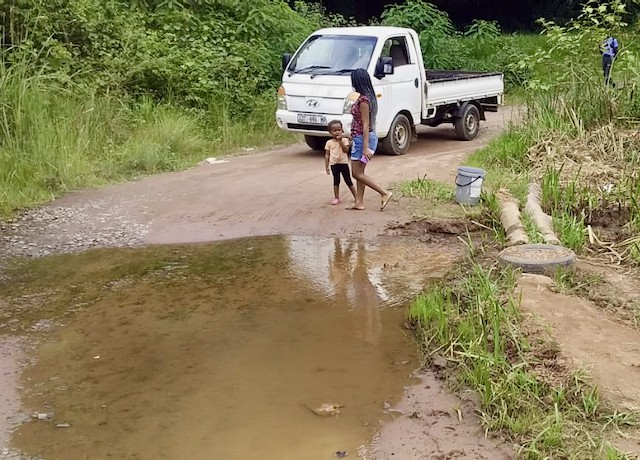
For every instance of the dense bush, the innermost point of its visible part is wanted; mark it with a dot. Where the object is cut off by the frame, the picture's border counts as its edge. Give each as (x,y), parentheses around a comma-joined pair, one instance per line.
(93,91)
(482,46)
(567,67)
(197,51)
(438,36)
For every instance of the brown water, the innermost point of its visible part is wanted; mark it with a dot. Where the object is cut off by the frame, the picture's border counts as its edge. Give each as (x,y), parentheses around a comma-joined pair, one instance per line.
(217,351)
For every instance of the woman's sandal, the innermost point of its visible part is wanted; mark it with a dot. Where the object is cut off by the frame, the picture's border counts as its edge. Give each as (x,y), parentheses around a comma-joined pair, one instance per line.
(353,207)
(386,202)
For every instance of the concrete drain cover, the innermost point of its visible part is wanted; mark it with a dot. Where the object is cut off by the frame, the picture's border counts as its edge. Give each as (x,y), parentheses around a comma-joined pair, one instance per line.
(537,258)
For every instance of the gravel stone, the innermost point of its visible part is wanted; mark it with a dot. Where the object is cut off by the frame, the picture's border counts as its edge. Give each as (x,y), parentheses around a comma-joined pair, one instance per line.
(60,229)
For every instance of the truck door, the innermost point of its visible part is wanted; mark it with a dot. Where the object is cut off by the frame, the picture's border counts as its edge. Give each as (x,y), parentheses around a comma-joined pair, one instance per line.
(406,90)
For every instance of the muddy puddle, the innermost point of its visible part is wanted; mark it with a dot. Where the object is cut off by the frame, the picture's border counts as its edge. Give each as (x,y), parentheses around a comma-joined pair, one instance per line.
(218,351)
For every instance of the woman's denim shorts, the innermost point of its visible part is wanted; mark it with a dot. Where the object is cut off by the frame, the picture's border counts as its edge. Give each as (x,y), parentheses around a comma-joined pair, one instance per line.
(356,149)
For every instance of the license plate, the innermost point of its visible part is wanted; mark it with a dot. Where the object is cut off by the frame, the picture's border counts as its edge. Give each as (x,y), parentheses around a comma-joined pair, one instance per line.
(312,119)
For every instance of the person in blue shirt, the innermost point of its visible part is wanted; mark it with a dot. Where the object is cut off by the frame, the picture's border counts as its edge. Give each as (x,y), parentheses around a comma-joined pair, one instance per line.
(609,48)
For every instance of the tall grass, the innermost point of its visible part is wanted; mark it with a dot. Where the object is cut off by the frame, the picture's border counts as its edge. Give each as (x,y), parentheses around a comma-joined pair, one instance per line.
(475,322)
(503,53)
(58,136)
(505,160)
(424,188)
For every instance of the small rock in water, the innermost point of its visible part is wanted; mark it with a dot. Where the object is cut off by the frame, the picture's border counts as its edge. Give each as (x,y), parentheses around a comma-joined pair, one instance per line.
(42,416)
(341,454)
(327,409)
(63,425)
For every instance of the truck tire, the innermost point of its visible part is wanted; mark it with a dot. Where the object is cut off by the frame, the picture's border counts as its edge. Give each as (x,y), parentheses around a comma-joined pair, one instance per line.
(468,124)
(316,142)
(399,138)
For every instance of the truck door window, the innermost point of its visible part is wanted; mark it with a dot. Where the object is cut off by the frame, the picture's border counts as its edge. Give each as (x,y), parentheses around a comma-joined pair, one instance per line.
(396,48)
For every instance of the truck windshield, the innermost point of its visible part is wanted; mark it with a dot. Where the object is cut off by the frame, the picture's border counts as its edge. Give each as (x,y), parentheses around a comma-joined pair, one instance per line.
(328,54)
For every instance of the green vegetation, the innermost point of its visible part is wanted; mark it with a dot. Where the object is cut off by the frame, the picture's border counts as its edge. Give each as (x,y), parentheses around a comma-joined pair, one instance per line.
(474,321)
(481,46)
(60,137)
(100,91)
(435,199)
(533,233)
(570,281)
(577,138)
(426,188)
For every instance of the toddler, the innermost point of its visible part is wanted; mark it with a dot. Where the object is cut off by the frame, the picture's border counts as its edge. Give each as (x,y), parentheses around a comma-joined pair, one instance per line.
(336,160)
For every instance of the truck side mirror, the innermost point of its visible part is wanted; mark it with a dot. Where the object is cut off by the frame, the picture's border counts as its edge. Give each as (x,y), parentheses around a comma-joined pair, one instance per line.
(286,58)
(384,67)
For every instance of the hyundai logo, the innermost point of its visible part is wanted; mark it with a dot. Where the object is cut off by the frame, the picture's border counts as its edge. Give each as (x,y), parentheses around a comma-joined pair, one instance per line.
(312,103)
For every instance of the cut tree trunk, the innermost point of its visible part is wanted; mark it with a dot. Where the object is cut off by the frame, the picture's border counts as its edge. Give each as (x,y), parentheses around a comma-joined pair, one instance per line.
(510,218)
(543,221)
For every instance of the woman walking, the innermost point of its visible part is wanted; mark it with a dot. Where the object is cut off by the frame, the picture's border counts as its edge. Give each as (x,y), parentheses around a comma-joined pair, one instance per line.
(365,139)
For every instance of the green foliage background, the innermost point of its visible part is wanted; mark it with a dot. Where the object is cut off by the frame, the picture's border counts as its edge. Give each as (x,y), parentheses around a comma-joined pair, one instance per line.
(93,91)
(194,52)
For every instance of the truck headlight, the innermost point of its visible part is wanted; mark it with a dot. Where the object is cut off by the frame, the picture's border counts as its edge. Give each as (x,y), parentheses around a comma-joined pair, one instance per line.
(282,99)
(349,101)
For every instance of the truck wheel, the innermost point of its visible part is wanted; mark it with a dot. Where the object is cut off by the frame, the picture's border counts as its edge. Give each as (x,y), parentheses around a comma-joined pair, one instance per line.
(398,140)
(468,125)
(316,142)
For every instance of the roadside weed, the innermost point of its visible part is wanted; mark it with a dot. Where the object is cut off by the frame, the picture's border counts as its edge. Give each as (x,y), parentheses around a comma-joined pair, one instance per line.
(58,138)
(533,233)
(473,320)
(430,198)
(507,152)
(571,231)
(424,188)
(571,281)
(491,216)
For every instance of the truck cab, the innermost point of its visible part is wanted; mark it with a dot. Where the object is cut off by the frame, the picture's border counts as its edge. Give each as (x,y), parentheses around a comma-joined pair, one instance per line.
(316,86)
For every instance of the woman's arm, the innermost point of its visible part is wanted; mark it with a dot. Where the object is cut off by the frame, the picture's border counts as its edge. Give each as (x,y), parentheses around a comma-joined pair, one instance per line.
(345,145)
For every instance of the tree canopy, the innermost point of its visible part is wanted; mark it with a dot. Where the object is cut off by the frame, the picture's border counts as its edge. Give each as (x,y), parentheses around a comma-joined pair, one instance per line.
(510,14)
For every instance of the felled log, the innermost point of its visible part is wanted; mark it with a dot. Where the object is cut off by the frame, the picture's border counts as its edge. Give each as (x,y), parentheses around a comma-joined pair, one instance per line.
(510,219)
(543,221)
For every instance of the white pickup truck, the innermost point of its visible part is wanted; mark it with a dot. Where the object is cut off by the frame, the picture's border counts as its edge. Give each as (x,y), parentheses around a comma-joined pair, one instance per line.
(316,87)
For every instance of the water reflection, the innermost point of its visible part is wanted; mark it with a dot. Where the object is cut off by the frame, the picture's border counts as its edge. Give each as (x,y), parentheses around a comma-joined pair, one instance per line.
(218,351)
(348,269)
(353,287)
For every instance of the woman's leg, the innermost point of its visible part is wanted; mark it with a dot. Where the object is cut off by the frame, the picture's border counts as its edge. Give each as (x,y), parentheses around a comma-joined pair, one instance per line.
(360,176)
(363,179)
(358,190)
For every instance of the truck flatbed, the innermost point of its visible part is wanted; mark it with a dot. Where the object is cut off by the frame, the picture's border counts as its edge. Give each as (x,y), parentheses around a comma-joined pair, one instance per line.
(451,75)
